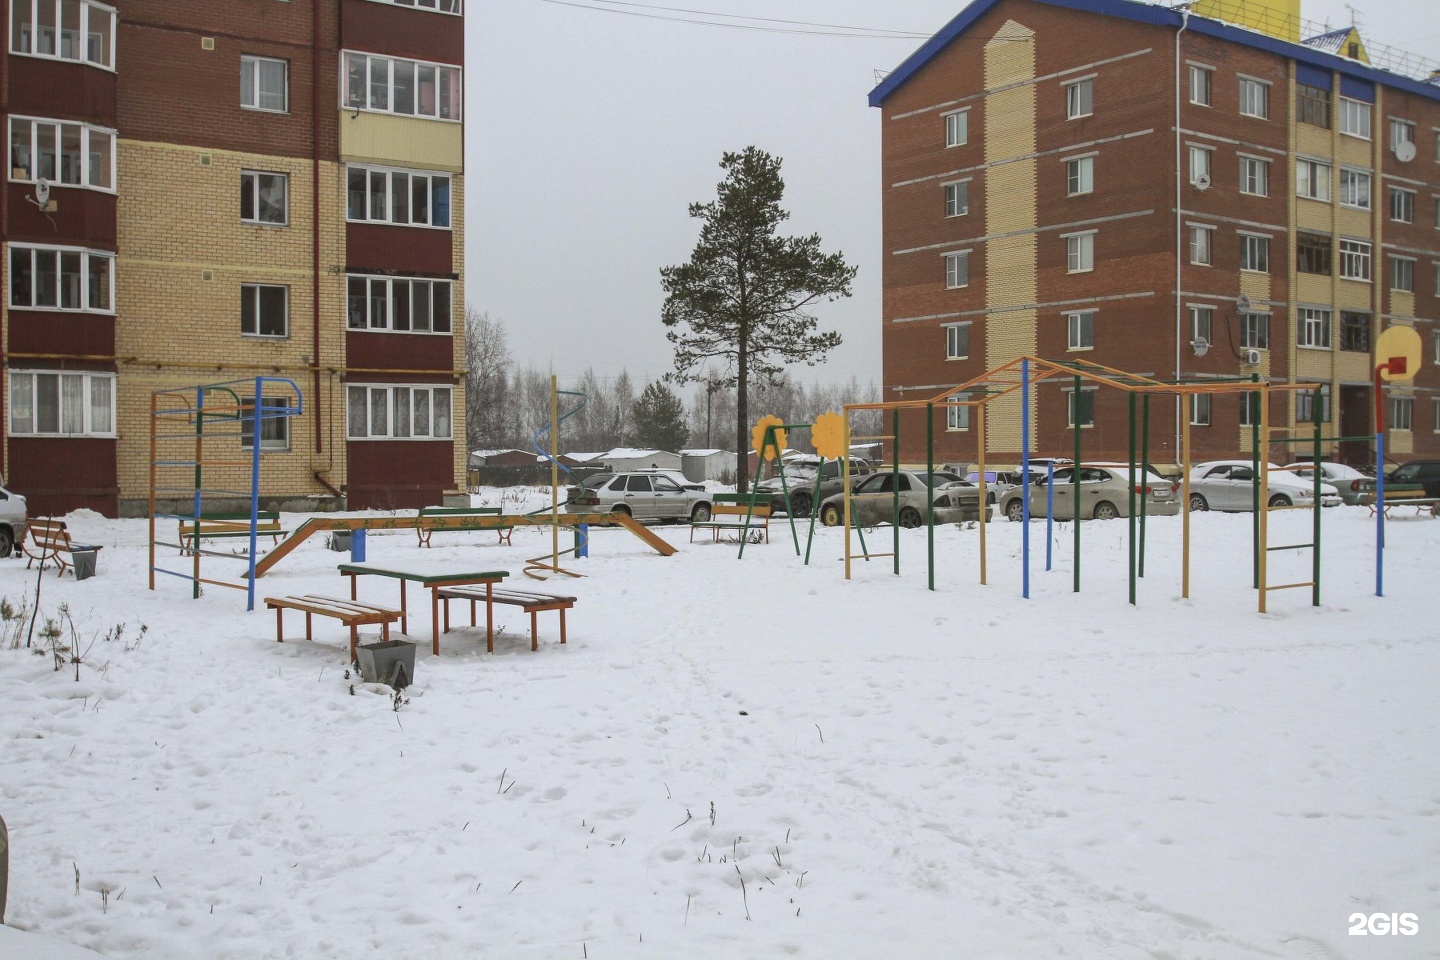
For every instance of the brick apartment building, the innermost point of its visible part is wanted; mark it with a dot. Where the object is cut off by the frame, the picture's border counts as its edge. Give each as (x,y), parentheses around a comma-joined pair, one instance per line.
(211,190)
(1055,170)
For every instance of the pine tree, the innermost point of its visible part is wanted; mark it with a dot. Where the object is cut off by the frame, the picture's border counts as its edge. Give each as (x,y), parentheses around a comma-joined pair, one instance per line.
(659,418)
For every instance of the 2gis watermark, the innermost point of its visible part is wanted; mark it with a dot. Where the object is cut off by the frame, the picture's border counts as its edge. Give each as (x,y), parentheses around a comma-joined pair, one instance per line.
(1383,924)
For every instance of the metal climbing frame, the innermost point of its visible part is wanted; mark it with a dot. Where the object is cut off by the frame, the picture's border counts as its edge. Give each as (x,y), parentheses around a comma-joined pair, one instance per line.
(198,437)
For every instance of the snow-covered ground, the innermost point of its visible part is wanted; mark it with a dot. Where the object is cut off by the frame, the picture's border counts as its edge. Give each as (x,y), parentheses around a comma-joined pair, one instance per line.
(743,757)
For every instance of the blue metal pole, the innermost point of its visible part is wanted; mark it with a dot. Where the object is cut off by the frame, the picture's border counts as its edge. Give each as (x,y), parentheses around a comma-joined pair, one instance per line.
(1025,478)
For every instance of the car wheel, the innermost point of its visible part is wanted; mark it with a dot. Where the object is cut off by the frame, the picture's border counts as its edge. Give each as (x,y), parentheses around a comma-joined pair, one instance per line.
(1105,510)
(1198,504)
(910,518)
(701,513)
(830,515)
(621,509)
(800,505)
(7,543)
(1280,500)
(1015,510)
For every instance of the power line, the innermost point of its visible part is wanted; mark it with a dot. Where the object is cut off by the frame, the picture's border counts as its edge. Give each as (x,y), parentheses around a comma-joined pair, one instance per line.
(758,24)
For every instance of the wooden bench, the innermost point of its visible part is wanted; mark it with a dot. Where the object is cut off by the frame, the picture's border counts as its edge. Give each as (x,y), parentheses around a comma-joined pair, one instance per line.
(209,525)
(1404,495)
(728,512)
(423,531)
(49,542)
(529,601)
(352,613)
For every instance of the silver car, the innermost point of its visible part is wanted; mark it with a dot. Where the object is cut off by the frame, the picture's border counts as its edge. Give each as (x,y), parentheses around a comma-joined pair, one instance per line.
(1230,485)
(644,495)
(873,500)
(1104,490)
(12,520)
(1349,482)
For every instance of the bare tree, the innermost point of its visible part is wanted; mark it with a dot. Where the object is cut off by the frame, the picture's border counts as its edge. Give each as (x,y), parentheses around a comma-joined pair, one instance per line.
(487,362)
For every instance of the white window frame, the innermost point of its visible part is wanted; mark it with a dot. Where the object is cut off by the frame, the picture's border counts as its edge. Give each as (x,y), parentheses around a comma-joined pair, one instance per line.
(27,151)
(1355,118)
(1435,414)
(1402,204)
(1255,252)
(1401,131)
(1254,98)
(23,41)
(957,347)
(1402,274)
(1435,355)
(957,414)
(1202,83)
(97,403)
(957,198)
(372,63)
(1080,98)
(449,7)
(363,424)
(1305,405)
(1080,175)
(1312,179)
(1202,245)
(1200,409)
(1400,414)
(250,92)
(1255,330)
(1202,322)
(83,290)
(383,291)
(957,263)
(1355,259)
(1079,251)
(1080,329)
(387,177)
(957,127)
(252,216)
(1356,188)
(1070,407)
(254,321)
(274,431)
(1254,176)
(1312,328)
(1200,161)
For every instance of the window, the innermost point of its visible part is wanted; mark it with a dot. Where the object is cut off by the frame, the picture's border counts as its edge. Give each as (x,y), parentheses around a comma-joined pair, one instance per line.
(405,197)
(957,199)
(1402,205)
(1254,176)
(1401,413)
(1355,118)
(274,427)
(957,270)
(1200,254)
(407,87)
(1199,163)
(1200,318)
(1402,274)
(1249,410)
(1080,253)
(1354,331)
(1312,254)
(402,305)
(1200,84)
(1255,330)
(1081,329)
(440,6)
(409,411)
(71,403)
(62,278)
(1436,339)
(1354,188)
(1079,176)
(957,128)
(1435,415)
(86,30)
(957,341)
(1084,399)
(264,84)
(262,197)
(1254,98)
(1312,105)
(1079,98)
(1312,179)
(1200,410)
(1314,328)
(64,154)
(1306,408)
(1355,260)
(1401,131)
(957,415)
(264,310)
(1254,253)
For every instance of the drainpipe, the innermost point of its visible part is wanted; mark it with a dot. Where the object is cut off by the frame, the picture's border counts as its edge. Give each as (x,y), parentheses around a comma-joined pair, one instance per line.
(315,404)
(1179,179)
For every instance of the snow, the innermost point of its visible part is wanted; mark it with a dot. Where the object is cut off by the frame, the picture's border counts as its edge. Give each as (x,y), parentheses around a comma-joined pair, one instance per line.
(742,757)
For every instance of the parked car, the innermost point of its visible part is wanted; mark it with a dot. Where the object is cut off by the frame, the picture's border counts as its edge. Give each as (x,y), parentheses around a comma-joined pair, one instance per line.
(1104,493)
(644,495)
(1229,485)
(1426,473)
(873,499)
(1350,483)
(799,476)
(12,520)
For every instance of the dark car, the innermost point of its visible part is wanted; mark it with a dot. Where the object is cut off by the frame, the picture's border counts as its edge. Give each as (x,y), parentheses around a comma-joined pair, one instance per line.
(800,481)
(1425,473)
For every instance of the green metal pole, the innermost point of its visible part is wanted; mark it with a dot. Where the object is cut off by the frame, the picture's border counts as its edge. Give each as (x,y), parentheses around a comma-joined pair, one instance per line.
(1130,515)
(1145,471)
(930,490)
(1255,494)
(1075,484)
(1315,519)
(895,492)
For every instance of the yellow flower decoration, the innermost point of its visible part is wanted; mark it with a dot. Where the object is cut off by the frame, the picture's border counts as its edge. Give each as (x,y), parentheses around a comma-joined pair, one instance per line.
(828,435)
(757,437)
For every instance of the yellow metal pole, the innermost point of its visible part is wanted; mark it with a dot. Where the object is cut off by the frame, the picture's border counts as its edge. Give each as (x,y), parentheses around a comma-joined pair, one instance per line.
(1263,506)
(845,493)
(984,509)
(1185,501)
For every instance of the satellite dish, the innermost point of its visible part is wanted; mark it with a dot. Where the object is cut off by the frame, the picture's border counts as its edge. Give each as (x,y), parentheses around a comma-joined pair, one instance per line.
(1201,345)
(1405,151)
(1202,181)
(42,191)
(1242,303)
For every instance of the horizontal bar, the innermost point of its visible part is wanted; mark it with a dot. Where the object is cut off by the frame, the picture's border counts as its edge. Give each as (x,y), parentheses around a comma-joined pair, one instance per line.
(1292,546)
(1287,586)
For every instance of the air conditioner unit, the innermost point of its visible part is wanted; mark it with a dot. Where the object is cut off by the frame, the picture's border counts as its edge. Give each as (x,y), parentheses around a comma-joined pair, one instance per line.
(1201,181)
(1252,357)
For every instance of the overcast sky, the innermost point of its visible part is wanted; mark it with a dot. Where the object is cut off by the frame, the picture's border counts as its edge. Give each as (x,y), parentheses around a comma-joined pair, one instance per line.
(591,126)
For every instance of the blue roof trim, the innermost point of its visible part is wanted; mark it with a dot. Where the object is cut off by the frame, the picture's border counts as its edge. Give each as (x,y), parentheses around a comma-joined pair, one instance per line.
(1160,16)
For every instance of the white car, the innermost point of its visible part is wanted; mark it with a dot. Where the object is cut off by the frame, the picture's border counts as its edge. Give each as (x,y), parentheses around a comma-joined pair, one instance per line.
(1230,485)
